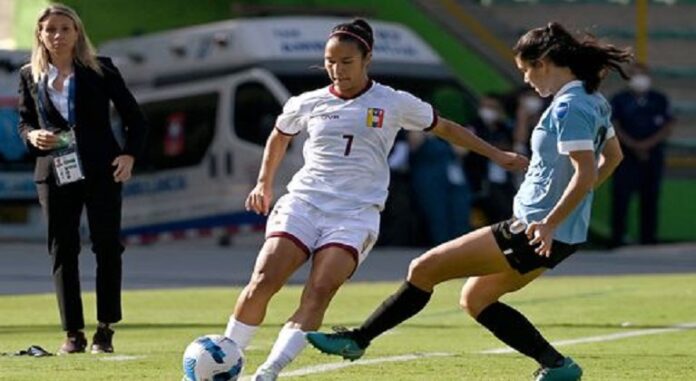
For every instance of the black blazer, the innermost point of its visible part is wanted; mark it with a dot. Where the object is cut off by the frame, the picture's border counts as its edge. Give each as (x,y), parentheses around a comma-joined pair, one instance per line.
(95,140)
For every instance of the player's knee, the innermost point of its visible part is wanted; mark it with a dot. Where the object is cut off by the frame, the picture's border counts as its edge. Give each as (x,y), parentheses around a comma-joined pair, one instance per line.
(263,285)
(473,300)
(415,268)
(321,291)
(471,303)
(316,299)
(421,271)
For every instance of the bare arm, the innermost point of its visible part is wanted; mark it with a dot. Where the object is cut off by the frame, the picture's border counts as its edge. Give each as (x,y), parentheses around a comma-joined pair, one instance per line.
(609,159)
(260,198)
(580,185)
(460,136)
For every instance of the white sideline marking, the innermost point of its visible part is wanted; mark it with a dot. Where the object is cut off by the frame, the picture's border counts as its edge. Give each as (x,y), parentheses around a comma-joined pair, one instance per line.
(610,337)
(345,364)
(121,358)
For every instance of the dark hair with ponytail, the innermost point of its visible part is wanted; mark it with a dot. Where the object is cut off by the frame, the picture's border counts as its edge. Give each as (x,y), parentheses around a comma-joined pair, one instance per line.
(358,31)
(587,58)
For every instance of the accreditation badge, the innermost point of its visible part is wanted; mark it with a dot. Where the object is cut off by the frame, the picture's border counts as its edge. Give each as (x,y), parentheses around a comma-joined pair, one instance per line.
(67,166)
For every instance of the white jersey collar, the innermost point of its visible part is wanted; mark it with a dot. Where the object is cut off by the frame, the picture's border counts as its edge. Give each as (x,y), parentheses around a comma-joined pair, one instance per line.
(367,87)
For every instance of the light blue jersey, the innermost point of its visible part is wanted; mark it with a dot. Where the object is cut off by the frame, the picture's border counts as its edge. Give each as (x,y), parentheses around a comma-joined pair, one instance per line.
(575,121)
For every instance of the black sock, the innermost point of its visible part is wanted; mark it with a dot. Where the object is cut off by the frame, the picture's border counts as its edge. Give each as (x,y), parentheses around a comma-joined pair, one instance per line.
(512,328)
(403,304)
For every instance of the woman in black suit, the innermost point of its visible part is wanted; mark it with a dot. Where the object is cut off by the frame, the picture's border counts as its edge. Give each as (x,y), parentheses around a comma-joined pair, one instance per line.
(64,108)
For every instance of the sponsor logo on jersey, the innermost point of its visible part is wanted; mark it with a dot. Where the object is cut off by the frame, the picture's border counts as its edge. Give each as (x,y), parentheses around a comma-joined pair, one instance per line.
(325,116)
(375,117)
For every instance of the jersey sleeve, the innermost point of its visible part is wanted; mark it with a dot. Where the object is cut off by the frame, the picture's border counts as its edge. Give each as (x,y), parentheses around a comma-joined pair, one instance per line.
(292,120)
(575,127)
(415,115)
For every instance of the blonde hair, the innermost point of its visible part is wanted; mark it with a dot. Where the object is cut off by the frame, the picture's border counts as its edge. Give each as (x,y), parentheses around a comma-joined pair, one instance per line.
(84,52)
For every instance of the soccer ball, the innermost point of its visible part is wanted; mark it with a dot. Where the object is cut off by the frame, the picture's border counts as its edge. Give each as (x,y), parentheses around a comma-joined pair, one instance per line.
(213,358)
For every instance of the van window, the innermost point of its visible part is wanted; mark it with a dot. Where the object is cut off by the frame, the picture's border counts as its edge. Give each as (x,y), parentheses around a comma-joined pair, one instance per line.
(181,130)
(255,112)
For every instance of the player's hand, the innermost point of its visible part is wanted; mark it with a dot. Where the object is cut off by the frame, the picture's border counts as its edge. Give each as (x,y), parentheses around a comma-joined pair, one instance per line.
(124,168)
(259,199)
(512,161)
(43,139)
(541,233)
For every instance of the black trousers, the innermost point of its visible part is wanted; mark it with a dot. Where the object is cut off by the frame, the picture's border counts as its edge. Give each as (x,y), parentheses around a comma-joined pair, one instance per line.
(642,177)
(63,207)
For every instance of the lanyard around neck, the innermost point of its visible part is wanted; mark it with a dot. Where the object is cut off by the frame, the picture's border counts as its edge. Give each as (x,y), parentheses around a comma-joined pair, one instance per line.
(43,101)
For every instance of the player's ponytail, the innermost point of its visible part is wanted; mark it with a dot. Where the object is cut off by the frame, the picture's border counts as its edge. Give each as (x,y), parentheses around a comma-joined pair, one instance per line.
(358,31)
(587,58)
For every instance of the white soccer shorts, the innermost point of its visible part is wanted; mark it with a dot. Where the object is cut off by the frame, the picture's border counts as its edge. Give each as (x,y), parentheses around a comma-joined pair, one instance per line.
(313,229)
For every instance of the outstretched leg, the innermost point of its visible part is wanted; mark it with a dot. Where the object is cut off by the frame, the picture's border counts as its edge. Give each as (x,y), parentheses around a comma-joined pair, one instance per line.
(279,258)
(479,298)
(331,267)
(475,253)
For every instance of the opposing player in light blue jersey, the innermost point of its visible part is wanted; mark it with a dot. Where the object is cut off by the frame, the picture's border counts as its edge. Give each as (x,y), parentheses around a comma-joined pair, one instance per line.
(574,150)
(330,215)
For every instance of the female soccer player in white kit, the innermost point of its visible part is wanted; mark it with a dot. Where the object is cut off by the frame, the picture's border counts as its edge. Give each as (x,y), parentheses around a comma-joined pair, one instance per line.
(331,213)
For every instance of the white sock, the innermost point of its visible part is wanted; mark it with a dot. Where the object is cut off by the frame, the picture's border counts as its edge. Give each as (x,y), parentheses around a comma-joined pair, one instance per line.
(239,332)
(288,345)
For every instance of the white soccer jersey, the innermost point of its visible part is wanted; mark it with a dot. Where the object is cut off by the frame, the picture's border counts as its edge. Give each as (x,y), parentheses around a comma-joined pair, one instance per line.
(345,157)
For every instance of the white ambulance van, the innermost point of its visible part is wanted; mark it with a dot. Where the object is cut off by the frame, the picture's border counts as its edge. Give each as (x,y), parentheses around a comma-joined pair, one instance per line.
(211,94)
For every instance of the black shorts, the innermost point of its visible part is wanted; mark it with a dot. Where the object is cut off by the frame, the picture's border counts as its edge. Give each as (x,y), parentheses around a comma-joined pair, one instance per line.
(520,254)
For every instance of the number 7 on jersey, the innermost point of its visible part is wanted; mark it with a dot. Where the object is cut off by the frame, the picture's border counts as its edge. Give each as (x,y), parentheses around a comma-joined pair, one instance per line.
(349,144)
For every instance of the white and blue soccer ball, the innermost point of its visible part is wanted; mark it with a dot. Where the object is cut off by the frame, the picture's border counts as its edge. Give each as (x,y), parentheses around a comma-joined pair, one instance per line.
(213,358)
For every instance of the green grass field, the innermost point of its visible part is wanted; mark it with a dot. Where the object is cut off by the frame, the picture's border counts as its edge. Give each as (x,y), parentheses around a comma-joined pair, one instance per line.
(159,324)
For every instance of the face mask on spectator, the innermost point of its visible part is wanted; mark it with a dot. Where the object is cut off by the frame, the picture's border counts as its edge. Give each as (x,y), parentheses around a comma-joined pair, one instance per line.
(640,83)
(532,104)
(488,115)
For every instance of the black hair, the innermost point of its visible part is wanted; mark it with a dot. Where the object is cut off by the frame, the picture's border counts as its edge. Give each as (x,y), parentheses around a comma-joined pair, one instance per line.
(587,58)
(358,31)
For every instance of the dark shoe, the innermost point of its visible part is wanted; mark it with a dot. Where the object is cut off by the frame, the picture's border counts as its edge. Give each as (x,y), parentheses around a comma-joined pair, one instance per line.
(569,371)
(341,343)
(101,341)
(76,342)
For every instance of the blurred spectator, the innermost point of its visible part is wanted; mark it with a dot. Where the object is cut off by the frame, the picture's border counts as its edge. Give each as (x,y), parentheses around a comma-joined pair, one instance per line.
(440,189)
(439,186)
(493,187)
(398,222)
(643,120)
(530,106)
